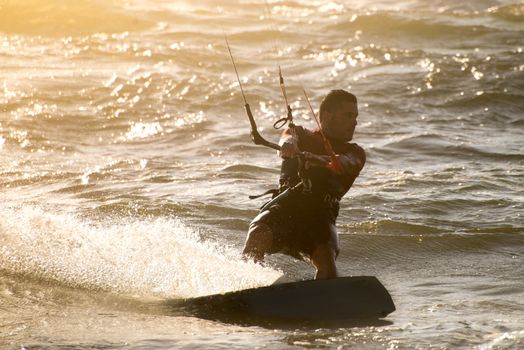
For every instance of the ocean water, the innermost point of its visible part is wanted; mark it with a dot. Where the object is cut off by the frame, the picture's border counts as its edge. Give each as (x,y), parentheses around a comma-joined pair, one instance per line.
(126,162)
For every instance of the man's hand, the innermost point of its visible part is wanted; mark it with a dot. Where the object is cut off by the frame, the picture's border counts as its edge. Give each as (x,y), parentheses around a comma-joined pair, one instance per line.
(288,149)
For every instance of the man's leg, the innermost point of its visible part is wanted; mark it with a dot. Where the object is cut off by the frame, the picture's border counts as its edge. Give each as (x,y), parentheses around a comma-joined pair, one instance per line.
(258,242)
(323,258)
(325,254)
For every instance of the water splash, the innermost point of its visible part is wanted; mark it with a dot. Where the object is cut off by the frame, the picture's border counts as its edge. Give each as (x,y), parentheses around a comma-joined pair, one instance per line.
(158,257)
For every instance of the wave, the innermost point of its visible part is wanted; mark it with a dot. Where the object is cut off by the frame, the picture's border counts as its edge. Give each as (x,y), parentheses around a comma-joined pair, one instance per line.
(415,25)
(392,227)
(158,257)
(438,145)
(512,12)
(59,18)
(393,240)
(389,227)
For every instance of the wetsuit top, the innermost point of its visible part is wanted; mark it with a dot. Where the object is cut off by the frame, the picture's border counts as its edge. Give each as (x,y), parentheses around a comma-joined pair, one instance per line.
(323,180)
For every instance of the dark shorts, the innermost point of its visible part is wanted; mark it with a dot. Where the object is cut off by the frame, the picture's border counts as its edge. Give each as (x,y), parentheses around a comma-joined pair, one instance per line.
(300,223)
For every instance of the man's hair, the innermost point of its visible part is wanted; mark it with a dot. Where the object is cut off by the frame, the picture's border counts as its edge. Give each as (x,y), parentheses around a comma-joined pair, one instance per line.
(334,99)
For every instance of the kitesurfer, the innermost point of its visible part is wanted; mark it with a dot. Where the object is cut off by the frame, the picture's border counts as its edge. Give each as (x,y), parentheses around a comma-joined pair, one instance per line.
(302,223)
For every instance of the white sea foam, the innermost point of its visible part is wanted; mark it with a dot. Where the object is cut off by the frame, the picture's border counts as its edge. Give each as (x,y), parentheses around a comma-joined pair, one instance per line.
(506,340)
(161,257)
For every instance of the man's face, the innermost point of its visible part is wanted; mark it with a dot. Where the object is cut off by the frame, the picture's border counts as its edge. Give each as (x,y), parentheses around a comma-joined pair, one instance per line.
(340,124)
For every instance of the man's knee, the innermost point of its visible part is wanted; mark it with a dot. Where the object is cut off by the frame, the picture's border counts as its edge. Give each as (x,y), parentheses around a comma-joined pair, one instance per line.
(260,233)
(258,242)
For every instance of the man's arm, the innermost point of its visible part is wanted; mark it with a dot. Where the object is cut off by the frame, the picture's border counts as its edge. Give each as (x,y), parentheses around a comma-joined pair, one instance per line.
(352,161)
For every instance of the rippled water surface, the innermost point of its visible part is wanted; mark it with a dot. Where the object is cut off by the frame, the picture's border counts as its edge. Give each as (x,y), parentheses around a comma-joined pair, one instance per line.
(126,162)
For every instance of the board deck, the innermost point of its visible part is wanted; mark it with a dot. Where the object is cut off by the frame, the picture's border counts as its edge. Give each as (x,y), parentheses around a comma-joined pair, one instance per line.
(339,299)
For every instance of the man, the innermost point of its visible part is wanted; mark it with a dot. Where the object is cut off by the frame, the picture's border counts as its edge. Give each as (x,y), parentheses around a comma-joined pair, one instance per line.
(302,224)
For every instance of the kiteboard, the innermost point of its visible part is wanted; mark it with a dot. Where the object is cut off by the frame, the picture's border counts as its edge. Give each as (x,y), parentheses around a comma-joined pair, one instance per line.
(346,299)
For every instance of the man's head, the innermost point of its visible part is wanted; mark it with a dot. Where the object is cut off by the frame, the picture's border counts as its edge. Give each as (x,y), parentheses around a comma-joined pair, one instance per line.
(338,115)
